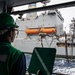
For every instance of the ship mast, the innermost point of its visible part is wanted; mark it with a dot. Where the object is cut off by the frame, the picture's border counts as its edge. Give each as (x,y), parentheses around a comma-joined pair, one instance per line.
(72,28)
(66,50)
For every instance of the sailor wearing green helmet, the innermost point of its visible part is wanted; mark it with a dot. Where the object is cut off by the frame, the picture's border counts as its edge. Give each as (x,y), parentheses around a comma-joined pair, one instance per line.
(12,60)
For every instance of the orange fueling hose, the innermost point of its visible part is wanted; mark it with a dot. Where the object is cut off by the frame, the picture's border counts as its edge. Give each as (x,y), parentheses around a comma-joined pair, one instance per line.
(31,31)
(48,30)
(43,30)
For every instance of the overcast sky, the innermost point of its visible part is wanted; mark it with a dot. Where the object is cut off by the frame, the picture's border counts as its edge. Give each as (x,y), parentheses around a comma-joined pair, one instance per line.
(67,13)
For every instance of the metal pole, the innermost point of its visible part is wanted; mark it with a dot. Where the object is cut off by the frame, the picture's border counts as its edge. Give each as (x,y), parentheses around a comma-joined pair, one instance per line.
(4,7)
(66,50)
(72,45)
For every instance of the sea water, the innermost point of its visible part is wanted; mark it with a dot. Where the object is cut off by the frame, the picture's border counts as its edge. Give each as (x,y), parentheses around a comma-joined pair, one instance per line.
(61,65)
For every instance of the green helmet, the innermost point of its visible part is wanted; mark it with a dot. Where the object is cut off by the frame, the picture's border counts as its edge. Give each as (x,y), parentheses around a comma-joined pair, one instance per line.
(6,21)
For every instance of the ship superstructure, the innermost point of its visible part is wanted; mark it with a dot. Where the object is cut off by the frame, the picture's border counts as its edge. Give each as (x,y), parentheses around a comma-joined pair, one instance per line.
(41,30)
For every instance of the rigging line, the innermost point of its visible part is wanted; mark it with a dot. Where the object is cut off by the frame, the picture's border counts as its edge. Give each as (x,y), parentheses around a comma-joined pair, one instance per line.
(47,42)
(41,42)
(58,39)
(51,41)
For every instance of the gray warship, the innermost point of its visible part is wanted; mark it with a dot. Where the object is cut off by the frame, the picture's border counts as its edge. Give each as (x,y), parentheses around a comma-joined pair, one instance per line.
(46,30)
(43,30)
